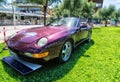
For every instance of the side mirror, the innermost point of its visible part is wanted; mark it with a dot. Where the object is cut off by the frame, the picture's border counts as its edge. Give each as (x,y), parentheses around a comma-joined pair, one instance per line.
(83,25)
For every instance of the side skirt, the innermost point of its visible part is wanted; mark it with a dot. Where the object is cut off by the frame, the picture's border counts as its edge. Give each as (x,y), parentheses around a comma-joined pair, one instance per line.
(80,42)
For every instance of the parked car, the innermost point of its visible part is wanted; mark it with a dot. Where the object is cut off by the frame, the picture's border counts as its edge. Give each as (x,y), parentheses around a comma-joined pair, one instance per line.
(56,40)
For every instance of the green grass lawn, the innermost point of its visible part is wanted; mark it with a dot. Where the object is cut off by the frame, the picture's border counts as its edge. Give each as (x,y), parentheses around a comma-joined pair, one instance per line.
(97,61)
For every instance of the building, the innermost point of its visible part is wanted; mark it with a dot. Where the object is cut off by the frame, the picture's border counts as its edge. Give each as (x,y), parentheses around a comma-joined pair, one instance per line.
(25,13)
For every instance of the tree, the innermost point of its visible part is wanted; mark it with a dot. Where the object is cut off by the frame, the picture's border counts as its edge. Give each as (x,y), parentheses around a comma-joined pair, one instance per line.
(73,6)
(45,4)
(97,17)
(116,16)
(78,8)
(106,13)
(57,11)
(88,9)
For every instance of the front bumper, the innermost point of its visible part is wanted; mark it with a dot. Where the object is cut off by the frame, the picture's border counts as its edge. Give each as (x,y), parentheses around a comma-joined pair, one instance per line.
(52,52)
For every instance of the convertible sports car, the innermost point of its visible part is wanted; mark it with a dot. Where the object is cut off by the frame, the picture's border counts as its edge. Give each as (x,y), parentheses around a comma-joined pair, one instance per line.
(56,40)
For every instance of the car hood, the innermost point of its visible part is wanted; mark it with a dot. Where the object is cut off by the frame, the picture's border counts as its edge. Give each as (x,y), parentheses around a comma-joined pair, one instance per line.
(32,34)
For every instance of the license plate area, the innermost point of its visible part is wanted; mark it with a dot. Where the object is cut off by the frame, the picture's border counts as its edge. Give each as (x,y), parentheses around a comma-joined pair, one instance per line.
(21,66)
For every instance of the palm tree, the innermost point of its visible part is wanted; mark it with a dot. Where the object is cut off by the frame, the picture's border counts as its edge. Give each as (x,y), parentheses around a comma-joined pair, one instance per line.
(45,4)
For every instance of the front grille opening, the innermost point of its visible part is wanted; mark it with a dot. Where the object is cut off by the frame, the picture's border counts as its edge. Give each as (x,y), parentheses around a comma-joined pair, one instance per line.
(16,51)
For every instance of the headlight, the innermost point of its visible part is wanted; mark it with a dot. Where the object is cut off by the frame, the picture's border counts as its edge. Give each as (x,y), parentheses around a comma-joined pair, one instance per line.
(42,42)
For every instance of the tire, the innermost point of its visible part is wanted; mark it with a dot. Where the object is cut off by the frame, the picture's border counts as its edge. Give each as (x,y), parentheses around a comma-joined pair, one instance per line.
(66,51)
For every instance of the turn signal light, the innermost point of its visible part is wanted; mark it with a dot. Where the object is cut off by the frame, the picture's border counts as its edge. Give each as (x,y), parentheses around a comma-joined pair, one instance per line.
(40,55)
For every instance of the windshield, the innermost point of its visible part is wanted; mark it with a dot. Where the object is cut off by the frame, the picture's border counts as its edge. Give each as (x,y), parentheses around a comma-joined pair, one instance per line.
(69,22)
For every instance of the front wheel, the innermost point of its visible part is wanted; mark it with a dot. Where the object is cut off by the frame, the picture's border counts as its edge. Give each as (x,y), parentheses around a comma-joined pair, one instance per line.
(65,52)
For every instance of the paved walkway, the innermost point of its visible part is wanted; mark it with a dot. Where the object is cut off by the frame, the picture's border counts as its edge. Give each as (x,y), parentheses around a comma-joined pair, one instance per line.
(9,30)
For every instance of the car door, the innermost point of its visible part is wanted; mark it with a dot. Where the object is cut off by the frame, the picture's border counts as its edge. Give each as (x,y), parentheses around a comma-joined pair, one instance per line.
(81,33)
(83,30)
(76,36)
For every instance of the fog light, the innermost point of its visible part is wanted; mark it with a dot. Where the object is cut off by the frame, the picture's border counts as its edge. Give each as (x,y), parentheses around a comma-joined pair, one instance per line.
(29,54)
(40,55)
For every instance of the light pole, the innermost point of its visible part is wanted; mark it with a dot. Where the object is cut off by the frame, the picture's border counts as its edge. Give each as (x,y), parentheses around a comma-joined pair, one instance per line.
(13,10)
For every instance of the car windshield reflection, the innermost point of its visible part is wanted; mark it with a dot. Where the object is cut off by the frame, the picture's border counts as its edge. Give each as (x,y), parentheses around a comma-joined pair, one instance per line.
(69,22)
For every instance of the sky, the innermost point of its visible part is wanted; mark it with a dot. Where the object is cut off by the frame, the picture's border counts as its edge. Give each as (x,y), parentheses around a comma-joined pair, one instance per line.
(107,3)
(9,1)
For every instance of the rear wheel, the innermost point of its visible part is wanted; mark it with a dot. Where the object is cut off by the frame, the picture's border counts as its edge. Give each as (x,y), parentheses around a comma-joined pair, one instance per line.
(65,52)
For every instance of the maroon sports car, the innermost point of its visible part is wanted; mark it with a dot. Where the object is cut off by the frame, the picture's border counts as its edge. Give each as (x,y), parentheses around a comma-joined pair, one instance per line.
(56,40)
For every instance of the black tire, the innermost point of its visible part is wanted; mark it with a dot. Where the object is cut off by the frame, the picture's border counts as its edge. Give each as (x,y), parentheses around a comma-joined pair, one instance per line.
(65,52)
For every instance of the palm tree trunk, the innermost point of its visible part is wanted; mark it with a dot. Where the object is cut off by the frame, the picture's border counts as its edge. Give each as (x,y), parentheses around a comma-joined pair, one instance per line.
(44,15)
(70,8)
(45,11)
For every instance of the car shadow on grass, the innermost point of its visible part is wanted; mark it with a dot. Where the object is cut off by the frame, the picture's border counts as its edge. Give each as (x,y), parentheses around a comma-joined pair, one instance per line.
(52,70)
